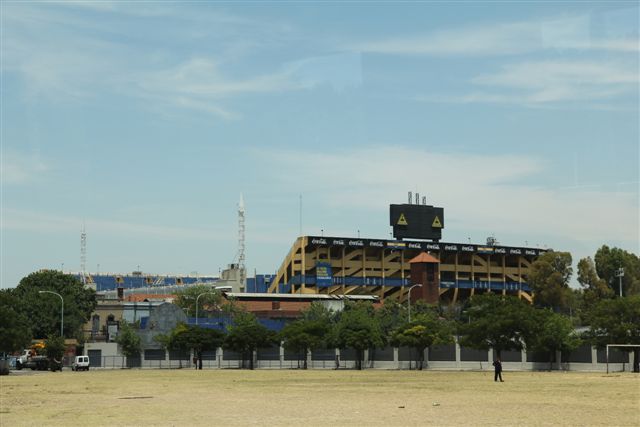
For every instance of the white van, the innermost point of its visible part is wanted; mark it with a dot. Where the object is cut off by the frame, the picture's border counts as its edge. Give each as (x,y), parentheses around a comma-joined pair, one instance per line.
(80,363)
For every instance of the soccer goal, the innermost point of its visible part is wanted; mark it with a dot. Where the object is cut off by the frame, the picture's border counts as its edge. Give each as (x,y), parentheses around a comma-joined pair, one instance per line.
(627,347)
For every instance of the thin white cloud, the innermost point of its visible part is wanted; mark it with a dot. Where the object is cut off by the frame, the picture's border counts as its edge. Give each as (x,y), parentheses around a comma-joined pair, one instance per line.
(199,84)
(542,74)
(20,167)
(14,219)
(479,192)
(202,77)
(60,54)
(589,84)
(560,33)
(558,81)
(501,39)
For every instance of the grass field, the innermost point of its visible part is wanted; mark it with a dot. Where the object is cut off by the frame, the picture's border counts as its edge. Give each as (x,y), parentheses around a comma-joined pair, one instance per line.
(316,398)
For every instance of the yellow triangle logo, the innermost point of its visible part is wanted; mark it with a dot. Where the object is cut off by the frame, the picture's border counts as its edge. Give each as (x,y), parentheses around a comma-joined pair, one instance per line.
(402,220)
(436,222)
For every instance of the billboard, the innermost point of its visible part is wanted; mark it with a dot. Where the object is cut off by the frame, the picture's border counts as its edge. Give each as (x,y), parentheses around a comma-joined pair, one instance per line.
(416,221)
(324,275)
(398,245)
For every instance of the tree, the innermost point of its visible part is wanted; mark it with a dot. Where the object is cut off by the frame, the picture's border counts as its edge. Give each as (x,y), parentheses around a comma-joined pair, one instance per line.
(359,329)
(304,335)
(616,321)
(15,333)
(609,260)
(425,330)
(391,316)
(394,314)
(549,280)
(128,340)
(43,310)
(594,288)
(494,321)
(54,348)
(247,335)
(169,342)
(554,332)
(318,311)
(191,337)
(210,300)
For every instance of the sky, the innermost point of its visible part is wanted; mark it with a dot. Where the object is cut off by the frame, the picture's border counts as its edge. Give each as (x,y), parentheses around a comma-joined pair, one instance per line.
(144,122)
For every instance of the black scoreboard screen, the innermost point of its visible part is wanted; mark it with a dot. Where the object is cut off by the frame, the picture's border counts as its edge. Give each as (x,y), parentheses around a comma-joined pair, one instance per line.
(416,221)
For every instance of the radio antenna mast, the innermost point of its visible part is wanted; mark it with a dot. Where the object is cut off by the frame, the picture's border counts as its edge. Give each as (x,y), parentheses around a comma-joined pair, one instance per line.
(83,254)
(241,266)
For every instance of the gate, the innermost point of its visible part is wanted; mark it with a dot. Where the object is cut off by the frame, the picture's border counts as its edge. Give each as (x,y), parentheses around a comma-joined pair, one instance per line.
(95,358)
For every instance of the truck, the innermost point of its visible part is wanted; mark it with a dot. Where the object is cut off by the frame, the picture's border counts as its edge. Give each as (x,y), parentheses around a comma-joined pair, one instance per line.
(34,359)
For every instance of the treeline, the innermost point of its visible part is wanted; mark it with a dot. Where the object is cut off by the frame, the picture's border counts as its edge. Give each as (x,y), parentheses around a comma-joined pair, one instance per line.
(33,310)
(598,277)
(489,321)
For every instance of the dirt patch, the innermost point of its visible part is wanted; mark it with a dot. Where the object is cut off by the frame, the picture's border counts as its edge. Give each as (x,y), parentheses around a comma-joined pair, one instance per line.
(317,398)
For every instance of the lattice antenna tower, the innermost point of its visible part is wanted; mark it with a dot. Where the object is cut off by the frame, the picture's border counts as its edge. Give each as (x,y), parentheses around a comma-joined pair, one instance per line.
(83,253)
(241,266)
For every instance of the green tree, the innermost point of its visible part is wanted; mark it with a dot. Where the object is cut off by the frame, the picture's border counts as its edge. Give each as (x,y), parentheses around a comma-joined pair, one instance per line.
(128,340)
(594,288)
(247,335)
(616,321)
(390,317)
(609,260)
(15,333)
(425,329)
(549,280)
(553,332)
(304,335)
(394,314)
(43,310)
(169,343)
(318,311)
(358,328)
(191,337)
(54,348)
(494,321)
(209,303)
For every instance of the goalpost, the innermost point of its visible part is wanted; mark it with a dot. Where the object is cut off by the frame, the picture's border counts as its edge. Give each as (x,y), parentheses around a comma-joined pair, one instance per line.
(619,345)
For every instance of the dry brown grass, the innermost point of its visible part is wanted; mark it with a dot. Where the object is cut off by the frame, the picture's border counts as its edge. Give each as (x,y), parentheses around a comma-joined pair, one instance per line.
(314,398)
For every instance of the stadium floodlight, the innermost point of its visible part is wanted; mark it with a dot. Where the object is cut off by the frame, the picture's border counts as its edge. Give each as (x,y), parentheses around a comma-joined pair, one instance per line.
(61,310)
(417,285)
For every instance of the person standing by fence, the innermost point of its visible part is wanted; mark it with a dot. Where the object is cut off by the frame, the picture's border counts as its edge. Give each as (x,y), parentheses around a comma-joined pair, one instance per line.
(497,365)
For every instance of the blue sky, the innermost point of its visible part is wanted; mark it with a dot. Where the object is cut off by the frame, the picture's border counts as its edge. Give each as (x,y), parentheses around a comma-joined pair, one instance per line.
(145,121)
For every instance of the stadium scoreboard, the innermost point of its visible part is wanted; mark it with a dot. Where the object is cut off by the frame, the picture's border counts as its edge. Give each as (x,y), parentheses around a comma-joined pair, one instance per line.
(416,221)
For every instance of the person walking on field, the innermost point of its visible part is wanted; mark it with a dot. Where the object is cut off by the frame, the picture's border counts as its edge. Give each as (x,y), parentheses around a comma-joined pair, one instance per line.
(498,370)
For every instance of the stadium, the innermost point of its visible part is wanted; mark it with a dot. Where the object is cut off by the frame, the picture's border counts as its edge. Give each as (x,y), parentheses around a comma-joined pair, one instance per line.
(344,266)
(350,266)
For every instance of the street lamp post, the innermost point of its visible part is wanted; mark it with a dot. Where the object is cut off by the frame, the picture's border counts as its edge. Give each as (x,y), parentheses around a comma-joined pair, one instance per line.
(197,298)
(417,285)
(61,310)
(620,275)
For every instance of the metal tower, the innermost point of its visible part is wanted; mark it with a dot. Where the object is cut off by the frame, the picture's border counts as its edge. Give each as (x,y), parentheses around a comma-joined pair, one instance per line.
(241,266)
(83,254)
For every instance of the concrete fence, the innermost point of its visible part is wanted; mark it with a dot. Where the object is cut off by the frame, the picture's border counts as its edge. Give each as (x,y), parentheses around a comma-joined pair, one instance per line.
(450,357)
